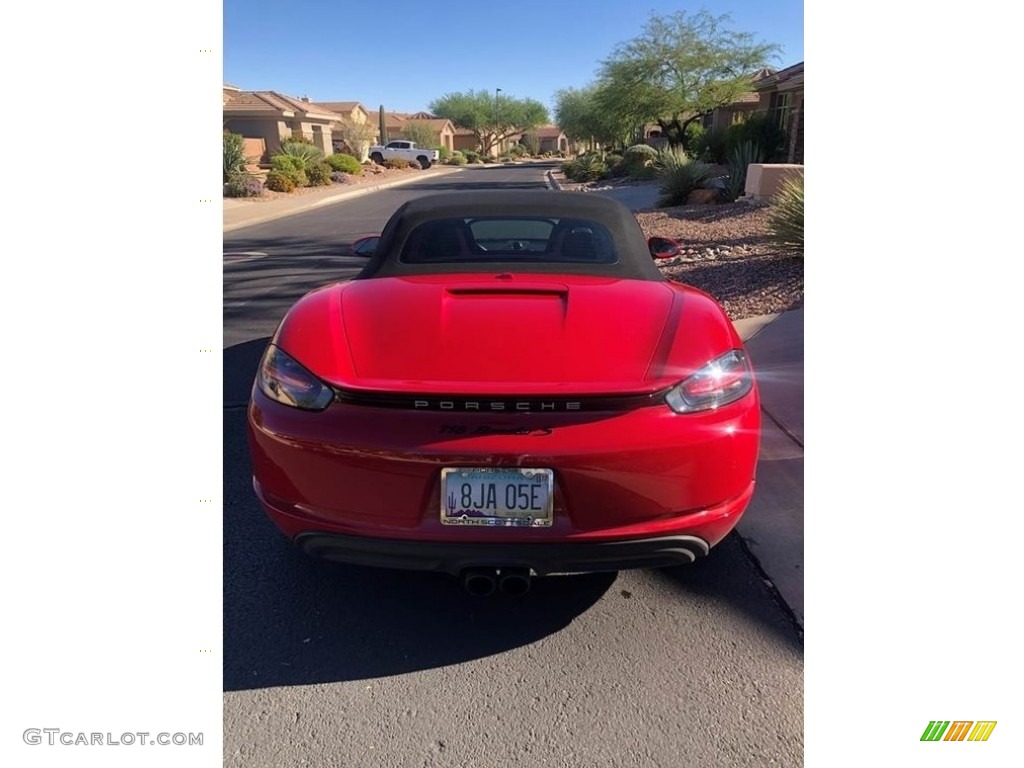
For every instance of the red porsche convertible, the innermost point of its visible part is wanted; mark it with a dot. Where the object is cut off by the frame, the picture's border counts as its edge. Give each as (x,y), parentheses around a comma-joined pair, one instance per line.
(510,388)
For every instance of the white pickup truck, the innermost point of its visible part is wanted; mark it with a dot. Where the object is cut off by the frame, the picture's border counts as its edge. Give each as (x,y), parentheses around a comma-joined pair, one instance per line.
(407,150)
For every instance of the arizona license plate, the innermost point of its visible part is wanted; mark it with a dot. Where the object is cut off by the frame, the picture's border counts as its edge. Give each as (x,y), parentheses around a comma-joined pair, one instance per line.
(502,496)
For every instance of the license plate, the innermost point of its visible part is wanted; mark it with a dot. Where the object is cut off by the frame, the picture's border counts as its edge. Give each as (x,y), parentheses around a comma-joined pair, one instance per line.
(504,497)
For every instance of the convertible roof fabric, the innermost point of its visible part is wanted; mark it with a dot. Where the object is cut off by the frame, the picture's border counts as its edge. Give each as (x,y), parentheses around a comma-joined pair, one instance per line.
(634,260)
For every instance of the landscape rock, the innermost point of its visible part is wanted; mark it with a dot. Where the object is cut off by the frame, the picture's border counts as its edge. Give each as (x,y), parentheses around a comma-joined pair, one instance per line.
(702,197)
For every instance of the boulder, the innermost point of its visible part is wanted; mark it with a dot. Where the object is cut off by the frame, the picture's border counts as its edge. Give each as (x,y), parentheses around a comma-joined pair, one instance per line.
(702,197)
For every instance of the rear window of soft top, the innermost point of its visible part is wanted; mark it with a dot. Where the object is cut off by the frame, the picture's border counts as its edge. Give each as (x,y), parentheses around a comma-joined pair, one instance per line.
(509,238)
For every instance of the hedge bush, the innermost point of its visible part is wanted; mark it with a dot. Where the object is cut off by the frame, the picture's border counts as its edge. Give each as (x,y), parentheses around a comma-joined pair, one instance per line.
(280,181)
(344,163)
(318,175)
(241,185)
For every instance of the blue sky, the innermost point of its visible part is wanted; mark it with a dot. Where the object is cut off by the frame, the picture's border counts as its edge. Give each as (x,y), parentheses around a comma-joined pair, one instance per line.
(405,53)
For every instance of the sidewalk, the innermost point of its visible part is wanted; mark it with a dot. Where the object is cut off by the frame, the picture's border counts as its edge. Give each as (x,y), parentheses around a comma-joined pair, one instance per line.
(773,526)
(244,213)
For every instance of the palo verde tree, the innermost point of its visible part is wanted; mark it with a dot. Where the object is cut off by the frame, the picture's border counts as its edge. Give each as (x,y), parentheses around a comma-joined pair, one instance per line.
(420,132)
(580,114)
(490,118)
(680,68)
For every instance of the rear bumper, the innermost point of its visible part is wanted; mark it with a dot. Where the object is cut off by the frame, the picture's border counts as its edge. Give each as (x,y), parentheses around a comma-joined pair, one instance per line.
(544,558)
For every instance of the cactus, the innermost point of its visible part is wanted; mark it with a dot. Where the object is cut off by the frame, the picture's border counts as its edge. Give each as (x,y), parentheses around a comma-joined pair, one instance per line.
(383,127)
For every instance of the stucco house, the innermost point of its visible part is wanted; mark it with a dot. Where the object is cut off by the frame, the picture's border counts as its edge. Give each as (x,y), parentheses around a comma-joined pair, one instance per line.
(273,117)
(351,113)
(782,95)
(551,138)
(444,131)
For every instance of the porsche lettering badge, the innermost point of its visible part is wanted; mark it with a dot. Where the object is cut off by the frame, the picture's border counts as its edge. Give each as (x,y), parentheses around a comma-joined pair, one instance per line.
(496,405)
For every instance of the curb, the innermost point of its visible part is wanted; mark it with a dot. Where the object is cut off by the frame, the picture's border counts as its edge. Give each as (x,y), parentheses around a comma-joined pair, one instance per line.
(552,183)
(340,197)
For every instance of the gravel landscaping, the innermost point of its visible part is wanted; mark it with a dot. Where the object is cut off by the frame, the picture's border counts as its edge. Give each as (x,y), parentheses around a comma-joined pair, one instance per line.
(370,175)
(728,252)
(729,256)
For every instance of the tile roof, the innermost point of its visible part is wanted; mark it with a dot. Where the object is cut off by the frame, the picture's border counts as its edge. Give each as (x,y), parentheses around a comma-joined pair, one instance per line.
(274,103)
(342,107)
(548,132)
(793,74)
(436,123)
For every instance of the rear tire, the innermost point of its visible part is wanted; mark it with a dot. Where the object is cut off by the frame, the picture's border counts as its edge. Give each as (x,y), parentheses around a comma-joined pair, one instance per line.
(423,161)
(378,158)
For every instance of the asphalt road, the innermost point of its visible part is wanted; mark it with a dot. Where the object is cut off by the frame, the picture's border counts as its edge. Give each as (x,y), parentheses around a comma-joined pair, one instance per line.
(331,665)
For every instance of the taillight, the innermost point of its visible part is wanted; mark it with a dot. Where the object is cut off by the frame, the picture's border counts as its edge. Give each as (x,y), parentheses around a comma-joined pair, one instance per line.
(722,381)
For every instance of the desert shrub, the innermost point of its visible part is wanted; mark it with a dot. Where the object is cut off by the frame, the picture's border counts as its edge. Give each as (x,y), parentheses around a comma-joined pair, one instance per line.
(618,169)
(639,154)
(340,177)
(298,138)
(711,147)
(398,163)
(588,167)
(457,158)
(243,185)
(292,167)
(759,128)
(318,175)
(668,159)
(786,216)
(739,160)
(344,163)
(692,137)
(280,181)
(287,163)
(471,155)
(443,153)
(518,150)
(679,177)
(306,153)
(639,161)
(234,155)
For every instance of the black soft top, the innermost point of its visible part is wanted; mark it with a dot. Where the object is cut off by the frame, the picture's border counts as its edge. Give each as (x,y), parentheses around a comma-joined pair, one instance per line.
(634,258)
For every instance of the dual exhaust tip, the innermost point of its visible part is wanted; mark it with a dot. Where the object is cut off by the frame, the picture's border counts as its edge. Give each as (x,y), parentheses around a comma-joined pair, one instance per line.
(484,582)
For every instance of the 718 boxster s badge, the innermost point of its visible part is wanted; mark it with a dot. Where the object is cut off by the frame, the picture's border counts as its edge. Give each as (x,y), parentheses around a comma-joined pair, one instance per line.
(509,388)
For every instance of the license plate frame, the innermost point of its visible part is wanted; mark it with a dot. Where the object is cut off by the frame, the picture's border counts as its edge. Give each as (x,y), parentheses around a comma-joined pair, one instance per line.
(531,487)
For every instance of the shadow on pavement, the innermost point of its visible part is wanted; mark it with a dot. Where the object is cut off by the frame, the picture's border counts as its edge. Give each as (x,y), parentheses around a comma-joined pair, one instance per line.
(719,577)
(240,363)
(291,620)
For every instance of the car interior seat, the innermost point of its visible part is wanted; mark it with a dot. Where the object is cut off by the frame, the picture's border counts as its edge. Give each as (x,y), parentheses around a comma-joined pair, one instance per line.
(580,244)
(443,241)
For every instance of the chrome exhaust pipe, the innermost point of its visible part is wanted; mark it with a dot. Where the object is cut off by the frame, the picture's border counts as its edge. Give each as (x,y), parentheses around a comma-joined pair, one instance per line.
(514,582)
(479,582)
